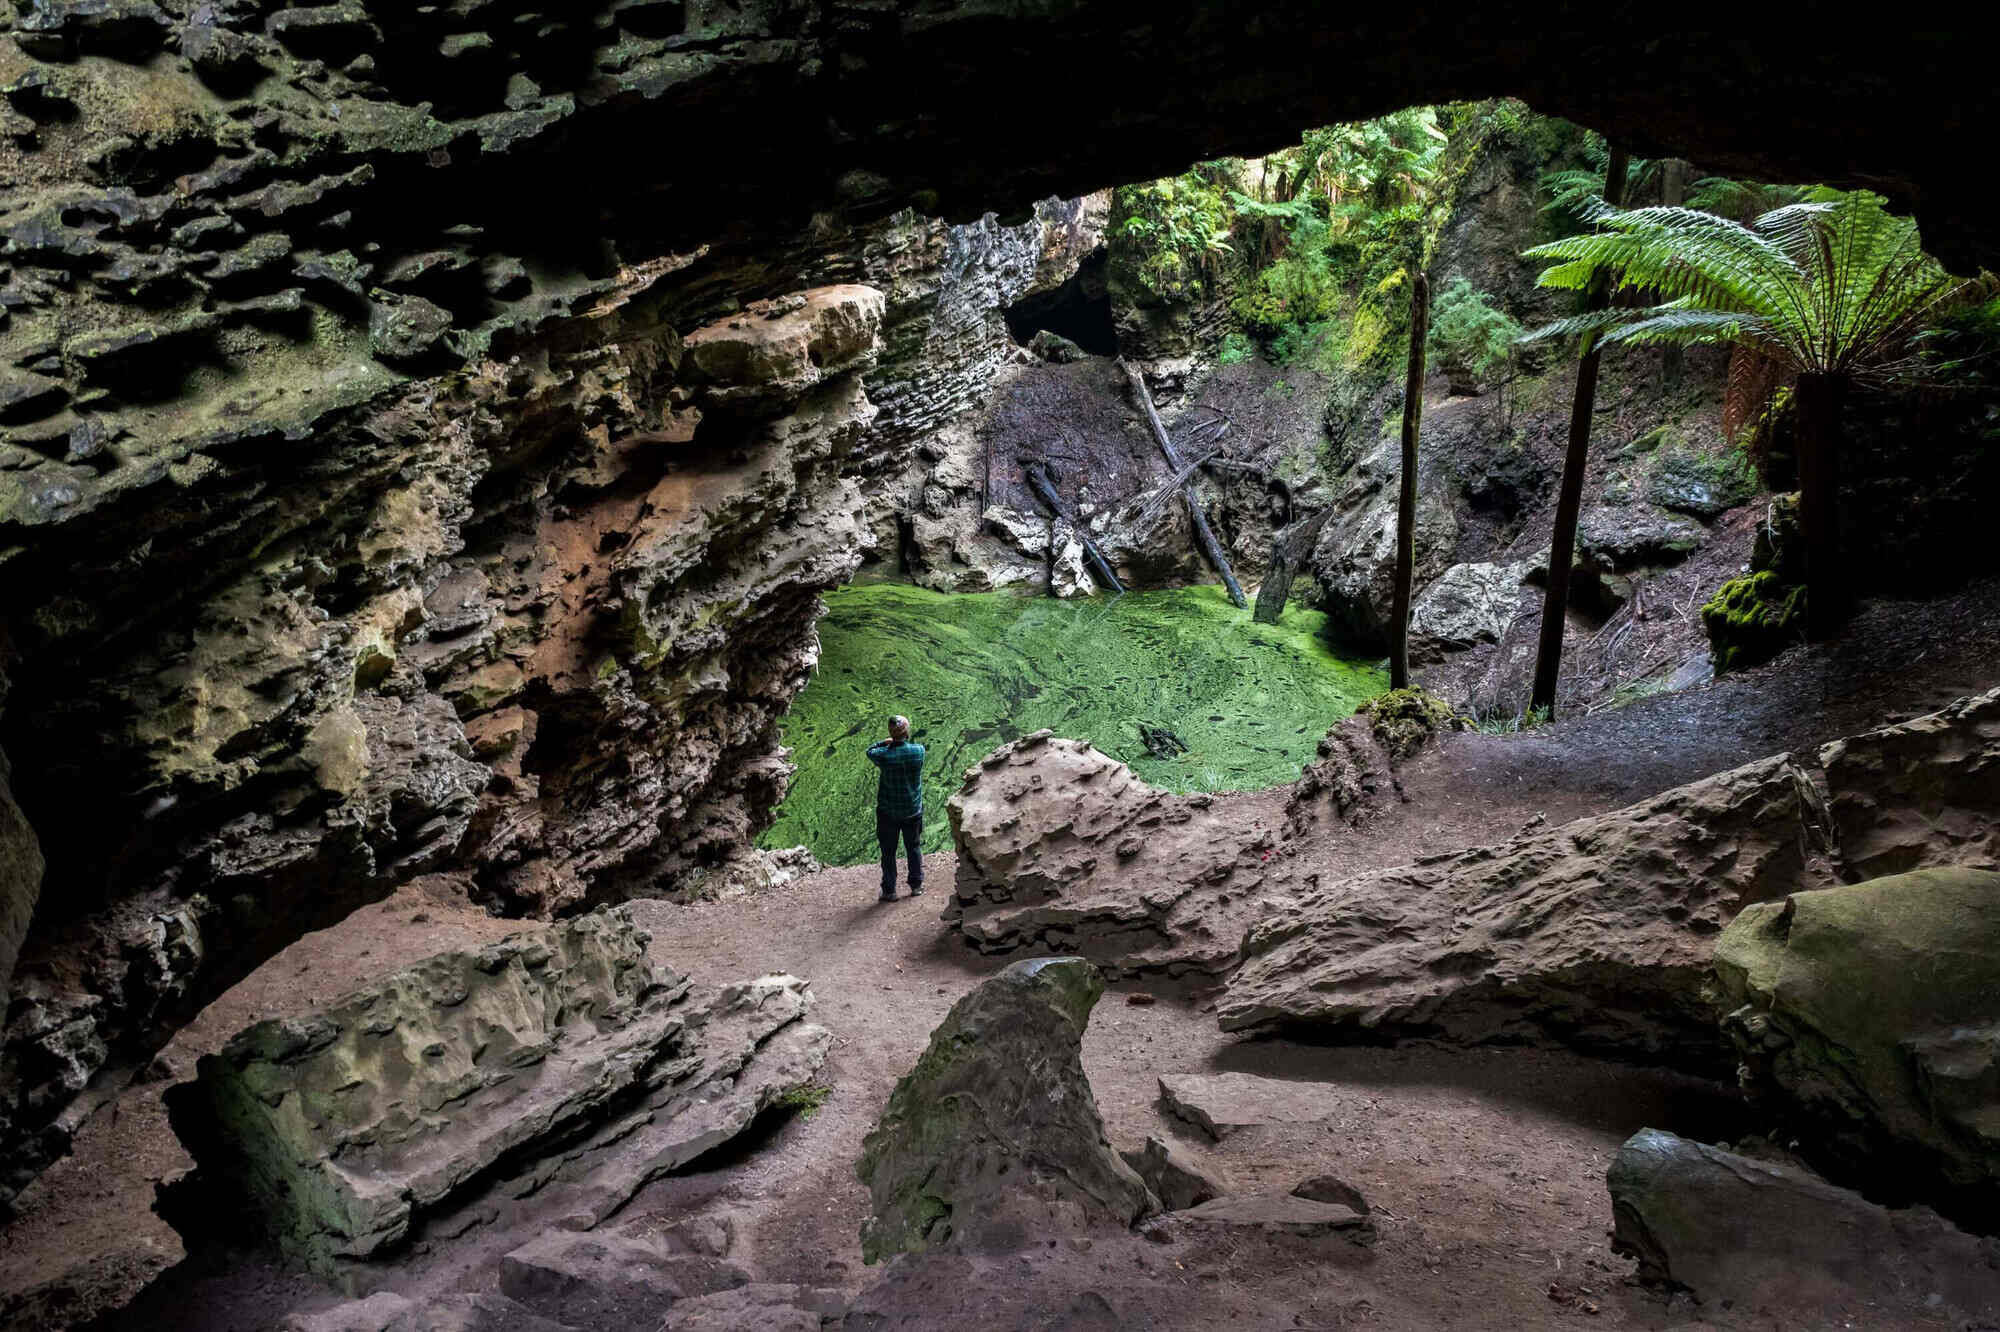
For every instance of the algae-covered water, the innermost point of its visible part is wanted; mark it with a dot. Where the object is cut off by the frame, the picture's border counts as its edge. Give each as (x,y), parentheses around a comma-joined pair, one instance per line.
(973,671)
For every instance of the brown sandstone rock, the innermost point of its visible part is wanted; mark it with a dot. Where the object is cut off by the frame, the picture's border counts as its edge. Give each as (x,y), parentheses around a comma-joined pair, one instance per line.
(559,1054)
(1220,1104)
(993,1140)
(1062,847)
(1598,932)
(1925,792)
(1759,1237)
(1176,1179)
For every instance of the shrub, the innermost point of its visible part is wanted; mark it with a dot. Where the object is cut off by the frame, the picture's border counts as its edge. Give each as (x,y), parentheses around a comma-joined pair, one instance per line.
(1469,339)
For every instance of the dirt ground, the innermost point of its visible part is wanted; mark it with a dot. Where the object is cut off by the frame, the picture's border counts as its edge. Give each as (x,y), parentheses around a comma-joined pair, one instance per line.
(1485,1167)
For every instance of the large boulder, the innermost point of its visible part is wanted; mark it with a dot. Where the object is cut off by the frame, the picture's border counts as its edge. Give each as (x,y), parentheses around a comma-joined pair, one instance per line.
(1762,1238)
(341,1130)
(1355,560)
(1924,792)
(1063,848)
(1468,605)
(993,1140)
(1870,1016)
(1598,932)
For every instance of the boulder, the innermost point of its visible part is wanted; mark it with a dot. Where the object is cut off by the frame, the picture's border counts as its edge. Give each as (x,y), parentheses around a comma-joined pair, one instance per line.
(555,1051)
(1765,1238)
(993,1140)
(1869,1015)
(1175,1178)
(1597,932)
(1355,560)
(1700,484)
(609,1279)
(1923,792)
(1052,837)
(1220,1104)
(1752,619)
(1624,537)
(1468,605)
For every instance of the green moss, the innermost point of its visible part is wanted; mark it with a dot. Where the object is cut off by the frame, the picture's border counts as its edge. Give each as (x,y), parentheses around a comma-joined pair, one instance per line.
(1750,620)
(1403,719)
(972,672)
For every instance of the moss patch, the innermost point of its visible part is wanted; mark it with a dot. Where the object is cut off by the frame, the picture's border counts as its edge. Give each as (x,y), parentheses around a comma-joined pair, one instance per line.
(1403,719)
(972,672)
(1751,620)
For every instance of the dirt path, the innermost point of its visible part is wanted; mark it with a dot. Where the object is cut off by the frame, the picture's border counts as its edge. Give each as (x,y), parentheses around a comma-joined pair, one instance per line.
(1486,1166)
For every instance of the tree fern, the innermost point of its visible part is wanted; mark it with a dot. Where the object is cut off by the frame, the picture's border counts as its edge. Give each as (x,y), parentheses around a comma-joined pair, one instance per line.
(1827,290)
(1832,284)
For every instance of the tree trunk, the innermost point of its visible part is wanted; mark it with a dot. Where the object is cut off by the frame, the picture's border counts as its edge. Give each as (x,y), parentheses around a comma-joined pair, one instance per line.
(1289,549)
(1406,502)
(1203,537)
(1562,543)
(1038,481)
(1673,193)
(1820,399)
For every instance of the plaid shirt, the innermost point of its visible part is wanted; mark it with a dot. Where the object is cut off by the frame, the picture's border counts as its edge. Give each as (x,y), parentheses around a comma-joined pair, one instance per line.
(900,793)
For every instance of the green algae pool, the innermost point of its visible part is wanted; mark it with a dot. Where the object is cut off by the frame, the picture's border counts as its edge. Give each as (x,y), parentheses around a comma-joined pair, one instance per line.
(973,671)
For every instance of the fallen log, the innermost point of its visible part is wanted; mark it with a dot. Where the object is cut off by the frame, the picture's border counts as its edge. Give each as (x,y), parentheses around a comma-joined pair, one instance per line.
(1203,536)
(1289,549)
(1038,481)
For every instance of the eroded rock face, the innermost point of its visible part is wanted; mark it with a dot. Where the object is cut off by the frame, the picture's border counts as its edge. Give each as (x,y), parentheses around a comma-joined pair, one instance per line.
(1469,604)
(1924,792)
(1756,1236)
(1053,834)
(556,1053)
(1599,931)
(993,1140)
(1868,1017)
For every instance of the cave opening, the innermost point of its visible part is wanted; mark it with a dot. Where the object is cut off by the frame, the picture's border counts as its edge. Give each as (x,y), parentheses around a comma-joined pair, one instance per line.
(1079,309)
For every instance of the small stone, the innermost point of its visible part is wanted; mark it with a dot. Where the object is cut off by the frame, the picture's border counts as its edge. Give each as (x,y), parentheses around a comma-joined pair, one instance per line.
(1283,1213)
(1175,1177)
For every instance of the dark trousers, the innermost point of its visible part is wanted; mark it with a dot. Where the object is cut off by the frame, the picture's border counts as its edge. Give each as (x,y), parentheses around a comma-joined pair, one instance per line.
(911,831)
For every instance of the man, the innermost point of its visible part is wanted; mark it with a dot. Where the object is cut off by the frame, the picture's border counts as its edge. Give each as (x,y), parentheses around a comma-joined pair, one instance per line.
(899,804)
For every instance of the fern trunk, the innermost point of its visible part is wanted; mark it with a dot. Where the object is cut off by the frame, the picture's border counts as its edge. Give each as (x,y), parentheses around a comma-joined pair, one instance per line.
(1576,458)
(1820,400)
(1406,501)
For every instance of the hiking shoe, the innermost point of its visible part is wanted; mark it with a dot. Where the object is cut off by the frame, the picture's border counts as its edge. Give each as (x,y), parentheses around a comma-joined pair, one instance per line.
(916,890)
(889,897)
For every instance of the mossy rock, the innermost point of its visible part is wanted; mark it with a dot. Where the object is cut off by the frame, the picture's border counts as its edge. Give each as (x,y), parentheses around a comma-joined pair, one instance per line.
(1867,1015)
(1751,620)
(1403,719)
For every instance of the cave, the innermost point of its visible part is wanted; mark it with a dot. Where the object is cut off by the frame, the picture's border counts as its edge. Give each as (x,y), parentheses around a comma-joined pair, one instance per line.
(418,512)
(1079,310)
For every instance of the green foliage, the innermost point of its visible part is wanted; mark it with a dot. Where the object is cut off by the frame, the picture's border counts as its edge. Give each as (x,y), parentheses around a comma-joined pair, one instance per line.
(803,1099)
(1510,723)
(1236,349)
(1178,228)
(1751,620)
(1742,200)
(1836,285)
(1467,335)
